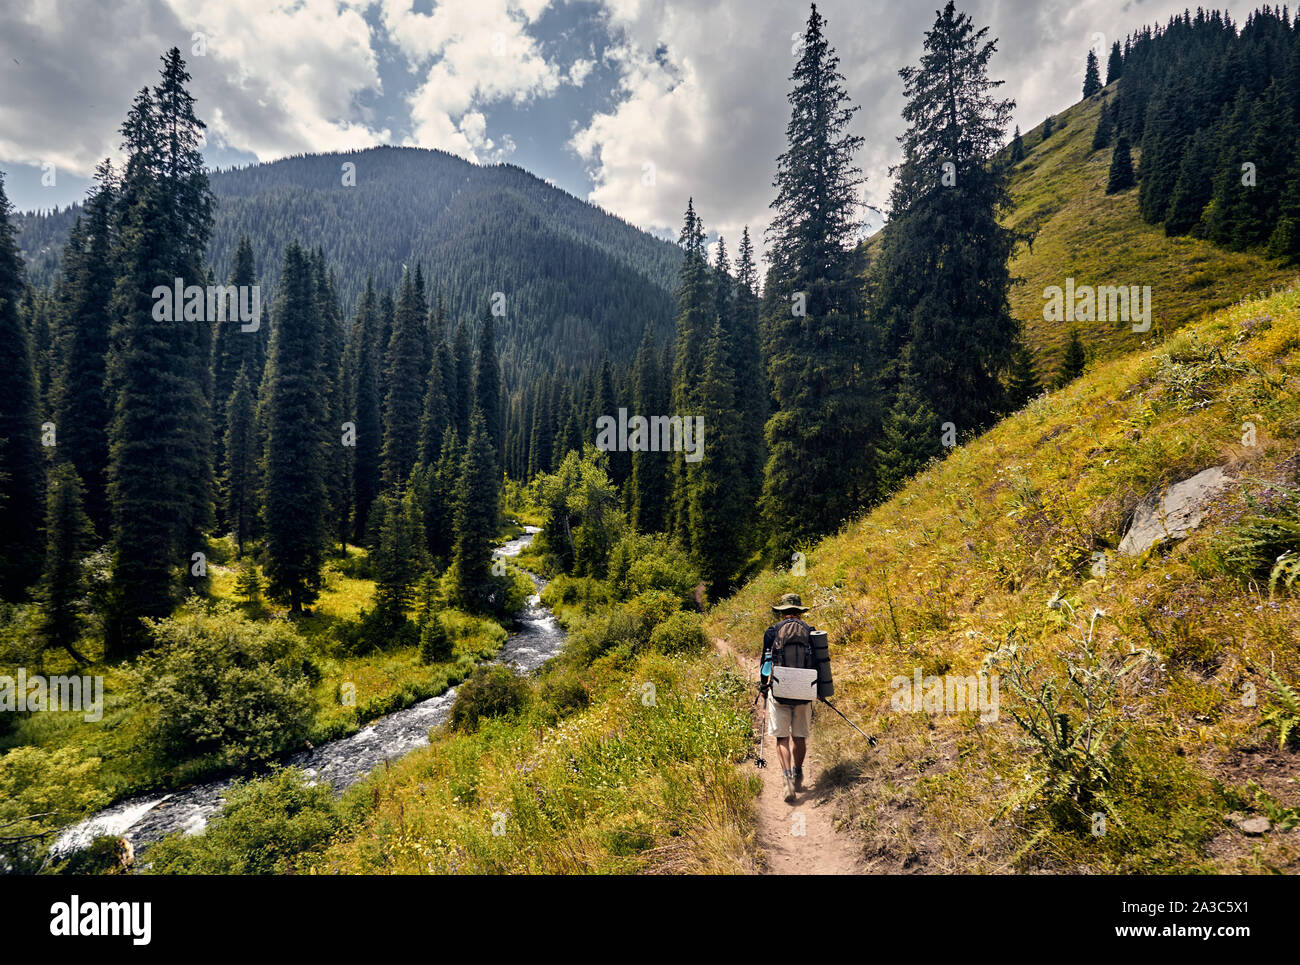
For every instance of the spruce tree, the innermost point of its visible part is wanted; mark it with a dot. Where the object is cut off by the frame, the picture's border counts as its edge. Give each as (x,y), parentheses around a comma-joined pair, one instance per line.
(159,433)
(1022,383)
(476,518)
(1115,65)
(942,279)
(696,310)
(1101,137)
(1017,153)
(21,470)
(463,364)
(234,350)
(295,494)
(239,476)
(649,481)
(746,364)
(1091,75)
(440,498)
(366,354)
(67,536)
(1165,133)
(437,414)
(405,402)
(335,460)
(78,399)
(1194,187)
(1074,361)
(817,470)
(248,584)
(1121,168)
(487,382)
(1049,125)
(717,508)
(909,438)
(541,440)
(399,556)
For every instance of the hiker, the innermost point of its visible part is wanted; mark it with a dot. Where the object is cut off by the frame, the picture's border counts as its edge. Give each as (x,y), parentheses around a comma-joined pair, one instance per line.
(788,644)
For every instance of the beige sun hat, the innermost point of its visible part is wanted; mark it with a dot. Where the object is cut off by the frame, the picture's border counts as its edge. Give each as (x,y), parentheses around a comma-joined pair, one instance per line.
(789,603)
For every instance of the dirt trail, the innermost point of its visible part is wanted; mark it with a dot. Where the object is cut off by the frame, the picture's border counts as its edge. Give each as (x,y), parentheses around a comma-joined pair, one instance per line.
(798,838)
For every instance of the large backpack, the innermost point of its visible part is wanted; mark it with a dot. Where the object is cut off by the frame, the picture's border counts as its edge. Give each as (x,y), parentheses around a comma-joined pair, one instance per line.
(792,647)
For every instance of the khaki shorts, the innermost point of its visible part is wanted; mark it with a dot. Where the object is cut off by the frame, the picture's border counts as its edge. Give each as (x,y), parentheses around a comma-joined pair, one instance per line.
(788,720)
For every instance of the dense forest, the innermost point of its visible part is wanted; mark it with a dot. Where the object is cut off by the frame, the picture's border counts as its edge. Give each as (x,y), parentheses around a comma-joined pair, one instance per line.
(1213,109)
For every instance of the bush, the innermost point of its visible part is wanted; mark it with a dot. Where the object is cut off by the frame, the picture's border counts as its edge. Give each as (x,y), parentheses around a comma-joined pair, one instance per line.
(106,855)
(618,627)
(41,791)
(653,608)
(492,690)
(564,694)
(639,564)
(374,630)
(355,566)
(223,685)
(680,633)
(435,642)
(264,827)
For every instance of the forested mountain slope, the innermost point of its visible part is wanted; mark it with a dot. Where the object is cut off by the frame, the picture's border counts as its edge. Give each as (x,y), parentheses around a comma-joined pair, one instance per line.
(1059,196)
(578,281)
(1075,230)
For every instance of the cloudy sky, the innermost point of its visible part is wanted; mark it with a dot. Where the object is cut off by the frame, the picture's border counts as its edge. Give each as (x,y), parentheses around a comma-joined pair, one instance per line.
(633,104)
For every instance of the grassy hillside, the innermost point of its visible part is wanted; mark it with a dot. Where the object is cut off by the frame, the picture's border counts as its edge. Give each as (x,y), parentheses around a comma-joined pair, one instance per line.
(980,550)
(1059,194)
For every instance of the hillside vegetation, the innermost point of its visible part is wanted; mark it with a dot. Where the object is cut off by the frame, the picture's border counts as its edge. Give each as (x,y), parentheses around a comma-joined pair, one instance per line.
(1059,196)
(998,546)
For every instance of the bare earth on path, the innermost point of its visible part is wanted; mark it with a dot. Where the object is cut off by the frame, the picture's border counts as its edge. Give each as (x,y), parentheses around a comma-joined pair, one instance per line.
(798,838)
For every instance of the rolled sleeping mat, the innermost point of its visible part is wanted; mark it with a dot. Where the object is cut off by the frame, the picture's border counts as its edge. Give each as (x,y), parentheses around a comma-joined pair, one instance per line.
(821,649)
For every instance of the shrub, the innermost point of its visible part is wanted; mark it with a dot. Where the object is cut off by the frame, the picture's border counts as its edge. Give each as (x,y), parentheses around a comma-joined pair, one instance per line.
(220,684)
(653,608)
(435,642)
(265,826)
(106,855)
(639,564)
(41,791)
(564,694)
(356,566)
(680,633)
(491,691)
(374,630)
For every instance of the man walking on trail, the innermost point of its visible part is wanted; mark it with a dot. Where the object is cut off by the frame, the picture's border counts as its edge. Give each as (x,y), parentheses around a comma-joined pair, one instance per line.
(788,644)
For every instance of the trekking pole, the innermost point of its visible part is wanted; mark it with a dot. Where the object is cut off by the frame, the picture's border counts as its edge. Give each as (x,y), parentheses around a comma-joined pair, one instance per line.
(759,760)
(870,740)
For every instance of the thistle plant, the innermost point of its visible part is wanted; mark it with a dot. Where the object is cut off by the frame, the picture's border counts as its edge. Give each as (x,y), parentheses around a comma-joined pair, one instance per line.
(1069,723)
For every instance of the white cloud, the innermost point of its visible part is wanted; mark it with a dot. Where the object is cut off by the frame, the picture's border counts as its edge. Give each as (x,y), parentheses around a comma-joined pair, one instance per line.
(580,70)
(472,54)
(276,77)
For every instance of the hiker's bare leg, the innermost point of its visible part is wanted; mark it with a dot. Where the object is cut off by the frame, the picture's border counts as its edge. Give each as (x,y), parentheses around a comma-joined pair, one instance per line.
(800,749)
(783,752)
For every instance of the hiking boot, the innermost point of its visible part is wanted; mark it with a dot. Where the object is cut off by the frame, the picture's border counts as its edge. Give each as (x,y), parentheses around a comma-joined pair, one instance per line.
(798,778)
(788,778)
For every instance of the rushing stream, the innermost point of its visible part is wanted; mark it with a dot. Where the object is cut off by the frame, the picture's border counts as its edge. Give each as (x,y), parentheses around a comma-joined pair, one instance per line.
(149,818)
